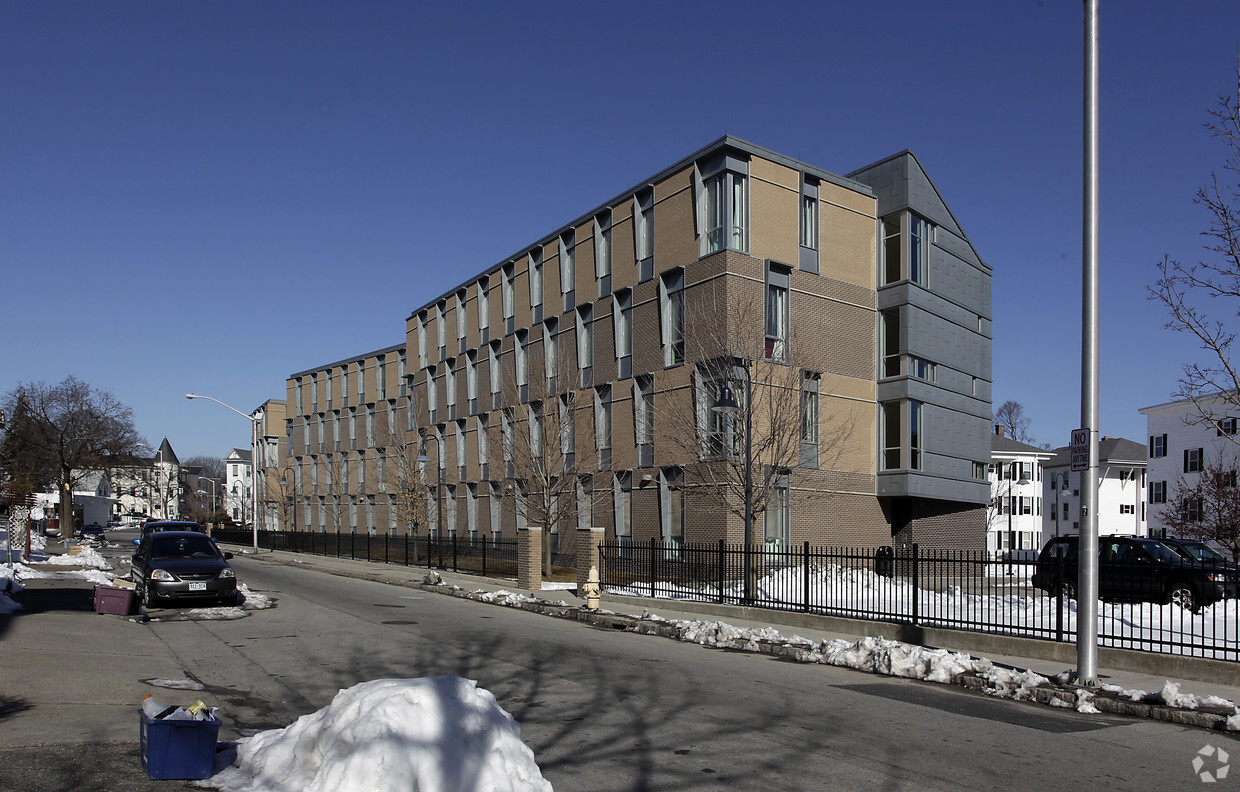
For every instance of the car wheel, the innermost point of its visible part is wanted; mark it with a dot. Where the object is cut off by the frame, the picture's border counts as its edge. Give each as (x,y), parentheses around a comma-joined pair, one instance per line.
(1182,595)
(1068,589)
(147,596)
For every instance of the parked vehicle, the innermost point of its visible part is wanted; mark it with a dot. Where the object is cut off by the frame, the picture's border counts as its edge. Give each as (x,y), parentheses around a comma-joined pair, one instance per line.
(182,565)
(1197,551)
(156,526)
(1135,569)
(91,533)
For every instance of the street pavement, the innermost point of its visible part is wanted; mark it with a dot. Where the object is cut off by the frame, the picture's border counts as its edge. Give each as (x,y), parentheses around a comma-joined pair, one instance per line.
(72,683)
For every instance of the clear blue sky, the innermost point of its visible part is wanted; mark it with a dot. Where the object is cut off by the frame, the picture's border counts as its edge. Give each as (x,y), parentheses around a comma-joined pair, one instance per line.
(183,184)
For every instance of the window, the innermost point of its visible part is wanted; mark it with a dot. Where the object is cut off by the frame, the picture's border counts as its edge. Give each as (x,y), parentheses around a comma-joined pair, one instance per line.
(381,378)
(536,283)
(622,321)
(344,384)
(1158,446)
(1226,426)
(922,369)
(1127,508)
(623,494)
(497,530)
(979,470)
(535,418)
(422,341)
(809,418)
(441,328)
(915,434)
(643,234)
(568,268)
(722,205)
(643,419)
(522,363)
(585,502)
(432,394)
(809,224)
(551,355)
(1193,458)
(471,380)
(602,417)
(777,286)
(672,316)
(568,431)
(901,262)
(494,374)
(461,454)
(777,534)
(507,440)
(1191,509)
(449,382)
(509,297)
(891,342)
(461,320)
(484,307)
(672,511)
(721,432)
(891,429)
(602,252)
(484,444)
(1158,494)
(585,345)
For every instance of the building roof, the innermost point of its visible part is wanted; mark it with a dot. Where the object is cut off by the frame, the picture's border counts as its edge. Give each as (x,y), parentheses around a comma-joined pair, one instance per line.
(166,454)
(239,454)
(1114,450)
(1006,445)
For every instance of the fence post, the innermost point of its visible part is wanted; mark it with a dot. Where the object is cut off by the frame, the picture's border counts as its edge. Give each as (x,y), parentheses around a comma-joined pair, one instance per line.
(805,579)
(1058,586)
(529,558)
(455,565)
(916,584)
(589,554)
(484,557)
(654,565)
(723,569)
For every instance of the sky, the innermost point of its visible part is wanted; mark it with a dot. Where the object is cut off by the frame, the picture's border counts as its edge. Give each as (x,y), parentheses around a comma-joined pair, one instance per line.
(192,192)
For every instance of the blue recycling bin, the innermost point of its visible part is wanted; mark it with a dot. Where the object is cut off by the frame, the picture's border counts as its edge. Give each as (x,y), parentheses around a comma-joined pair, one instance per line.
(178,748)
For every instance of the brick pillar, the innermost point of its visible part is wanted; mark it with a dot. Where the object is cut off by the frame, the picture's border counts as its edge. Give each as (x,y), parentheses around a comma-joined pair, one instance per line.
(589,541)
(529,558)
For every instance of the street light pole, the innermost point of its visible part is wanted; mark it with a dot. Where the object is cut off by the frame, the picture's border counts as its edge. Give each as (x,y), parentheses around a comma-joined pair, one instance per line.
(727,406)
(253,461)
(423,458)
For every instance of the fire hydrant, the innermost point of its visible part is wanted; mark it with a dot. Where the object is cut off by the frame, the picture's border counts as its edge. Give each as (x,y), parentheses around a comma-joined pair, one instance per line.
(592,589)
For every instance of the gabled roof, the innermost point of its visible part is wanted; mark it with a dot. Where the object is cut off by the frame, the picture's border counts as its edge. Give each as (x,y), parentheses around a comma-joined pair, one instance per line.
(1004,444)
(239,454)
(1111,450)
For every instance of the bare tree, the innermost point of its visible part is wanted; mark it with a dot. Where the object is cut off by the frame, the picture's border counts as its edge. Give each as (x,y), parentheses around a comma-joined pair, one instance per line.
(1011,416)
(1206,504)
(57,433)
(212,467)
(1186,290)
(736,378)
(405,478)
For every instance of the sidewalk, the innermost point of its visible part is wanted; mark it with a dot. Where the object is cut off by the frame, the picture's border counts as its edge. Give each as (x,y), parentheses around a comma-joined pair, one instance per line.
(1130,670)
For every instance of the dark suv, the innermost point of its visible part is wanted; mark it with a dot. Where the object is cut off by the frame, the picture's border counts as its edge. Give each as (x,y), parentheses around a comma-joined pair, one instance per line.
(1197,551)
(1135,569)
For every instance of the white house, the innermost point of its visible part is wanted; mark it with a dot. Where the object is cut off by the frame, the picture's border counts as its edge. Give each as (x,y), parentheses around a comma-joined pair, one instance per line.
(238,483)
(1014,518)
(1121,491)
(1182,444)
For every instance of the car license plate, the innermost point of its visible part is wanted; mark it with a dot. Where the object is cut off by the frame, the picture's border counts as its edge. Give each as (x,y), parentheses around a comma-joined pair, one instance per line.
(199,586)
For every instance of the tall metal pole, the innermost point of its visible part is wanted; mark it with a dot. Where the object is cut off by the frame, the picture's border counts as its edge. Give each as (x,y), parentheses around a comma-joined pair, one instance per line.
(1087,590)
(253,460)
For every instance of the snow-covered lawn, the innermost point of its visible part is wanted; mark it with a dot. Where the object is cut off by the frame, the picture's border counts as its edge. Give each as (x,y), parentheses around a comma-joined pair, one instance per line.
(1213,631)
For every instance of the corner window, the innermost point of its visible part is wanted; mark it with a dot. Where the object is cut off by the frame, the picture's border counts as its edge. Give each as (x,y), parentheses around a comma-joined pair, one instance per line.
(909,261)
(722,198)
(777,299)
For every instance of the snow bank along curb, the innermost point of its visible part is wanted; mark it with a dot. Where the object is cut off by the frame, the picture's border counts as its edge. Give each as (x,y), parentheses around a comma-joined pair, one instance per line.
(892,658)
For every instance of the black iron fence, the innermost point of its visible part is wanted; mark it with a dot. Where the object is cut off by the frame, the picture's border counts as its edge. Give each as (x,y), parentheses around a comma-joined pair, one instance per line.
(961,590)
(470,555)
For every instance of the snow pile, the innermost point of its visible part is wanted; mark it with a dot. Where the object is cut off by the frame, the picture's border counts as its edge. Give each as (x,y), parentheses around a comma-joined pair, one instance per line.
(96,576)
(893,658)
(435,733)
(88,557)
(1011,683)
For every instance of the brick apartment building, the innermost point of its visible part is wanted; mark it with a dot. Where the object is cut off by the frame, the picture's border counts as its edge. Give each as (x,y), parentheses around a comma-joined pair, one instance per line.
(586,380)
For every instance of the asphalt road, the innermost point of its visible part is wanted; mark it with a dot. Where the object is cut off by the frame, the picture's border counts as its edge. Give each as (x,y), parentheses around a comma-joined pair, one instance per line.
(605,710)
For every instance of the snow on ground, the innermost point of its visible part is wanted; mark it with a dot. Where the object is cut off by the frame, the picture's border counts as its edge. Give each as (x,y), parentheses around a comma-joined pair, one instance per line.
(175,684)
(441,733)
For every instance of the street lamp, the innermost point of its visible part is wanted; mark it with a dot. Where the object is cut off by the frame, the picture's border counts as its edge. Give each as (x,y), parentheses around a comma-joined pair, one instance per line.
(727,406)
(424,459)
(289,480)
(253,460)
(210,481)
